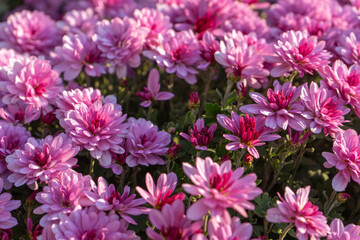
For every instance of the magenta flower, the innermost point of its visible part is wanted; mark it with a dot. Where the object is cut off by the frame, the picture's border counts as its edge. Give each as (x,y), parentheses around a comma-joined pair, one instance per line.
(151,92)
(230,231)
(221,188)
(172,223)
(121,42)
(114,8)
(201,136)
(42,159)
(105,197)
(99,128)
(80,21)
(30,80)
(145,143)
(78,52)
(349,48)
(6,55)
(19,113)
(7,205)
(339,232)
(90,223)
(248,131)
(62,195)
(280,107)
(297,209)
(118,161)
(208,47)
(346,150)
(160,194)
(325,110)
(30,32)
(178,53)
(297,51)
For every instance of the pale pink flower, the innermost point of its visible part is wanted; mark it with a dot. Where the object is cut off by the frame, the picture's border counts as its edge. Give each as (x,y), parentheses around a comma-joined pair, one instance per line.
(6,55)
(78,52)
(221,188)
(160,194)
(30,80)
(30,32)
(20,113)
(121,42)
(257,4)
(145,143)
(90,223)
(80,21)
(346,152)
(201,136)
(7,205)
(280,107)
(151,92)
(114,8)
(349,48)
(42,159)
(297,209)
(324,109)
(62,195)
(99,128)
(105,197)
(172,223)
(297,51)
(229,231)
(339,232)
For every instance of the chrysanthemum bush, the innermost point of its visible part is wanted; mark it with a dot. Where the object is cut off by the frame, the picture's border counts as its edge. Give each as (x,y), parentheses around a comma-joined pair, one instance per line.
(180,119)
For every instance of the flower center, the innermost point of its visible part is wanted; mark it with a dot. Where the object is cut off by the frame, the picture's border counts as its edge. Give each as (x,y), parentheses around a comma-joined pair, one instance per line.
(42,156)
(278,100)
(248,132)
(205,23)
(220,182)
(172,232)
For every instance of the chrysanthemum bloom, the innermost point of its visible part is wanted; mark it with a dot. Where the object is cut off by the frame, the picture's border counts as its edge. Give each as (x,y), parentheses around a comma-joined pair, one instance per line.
(42,159)
(201,136)
(121,42)
(99,128)
(248,131)
(242,60)
(114,8)
(90,223)
(280,107)
(80,21)
(19,113)
(6,206)
(160,194)
(30,32)
(172,223)
(62,195)
(297,209)
(349,48)
(105,197)
(208,47)
(78,52)
(145,143)
(11,138)
(339,232)
(221,188)
(178,53)
(229,231)
(151,92)
(346,150)
(30,80)
(155,21)
(297,51)
(324,109)
(6,55)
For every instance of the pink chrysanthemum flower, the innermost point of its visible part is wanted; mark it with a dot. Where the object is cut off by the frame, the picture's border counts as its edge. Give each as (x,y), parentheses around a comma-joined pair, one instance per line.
(208,47)
(114,8)
(297,51)
(62,195)
(105,197)
(160,194)
(41,159)
(339,232)
(280,107)
(99,128)
(78,52)
(151,92)
(297,209)
(178,53)
(7,205)
(30,32)
(30,80)
(121,42)
(90,223)
(19,113)
(346,152)
(172,223)
(145,143)
(229,231)
(325,110)
(80,21)
(349,48)
(221,188)
(12,138)
(201,136)
(6,55)
(249,133)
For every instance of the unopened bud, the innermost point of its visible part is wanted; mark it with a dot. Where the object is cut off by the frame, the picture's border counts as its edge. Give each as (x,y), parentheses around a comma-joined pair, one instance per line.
(248,159)
(342,197)
(49,118)
(173,151)
(194,101)
(224,158)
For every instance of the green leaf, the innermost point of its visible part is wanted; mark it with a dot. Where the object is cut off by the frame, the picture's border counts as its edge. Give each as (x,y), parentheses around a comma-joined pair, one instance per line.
(212,109)
(262,204)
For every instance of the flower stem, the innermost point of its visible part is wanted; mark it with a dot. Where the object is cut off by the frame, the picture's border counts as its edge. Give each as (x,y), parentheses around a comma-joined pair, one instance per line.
(149,113)
(286,230)
(293,75)
(238,159)
(298,160)
(227,93)
(92,163)
(207,79)
(206,220)
(328,206)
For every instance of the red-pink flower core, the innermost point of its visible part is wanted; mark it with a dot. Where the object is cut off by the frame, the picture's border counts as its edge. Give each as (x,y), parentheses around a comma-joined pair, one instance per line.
(145,94)
(207,22)
(248,134)
(278,100)
(171,232)
(42,156)
(220,182)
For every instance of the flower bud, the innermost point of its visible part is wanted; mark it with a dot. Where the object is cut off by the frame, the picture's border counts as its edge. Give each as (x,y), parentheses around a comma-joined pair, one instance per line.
(224,158)
(248,159)
(173,151)
(194,101)
(342,197)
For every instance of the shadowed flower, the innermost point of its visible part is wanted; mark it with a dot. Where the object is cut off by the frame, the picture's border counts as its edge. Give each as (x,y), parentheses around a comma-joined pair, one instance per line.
(114,8)
(19,113)
(7,205)
(201,136)
(229,231)
(349,48)
(339,232)
(80,21)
